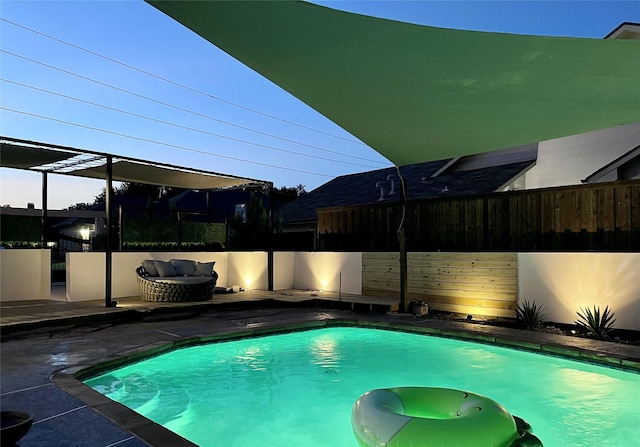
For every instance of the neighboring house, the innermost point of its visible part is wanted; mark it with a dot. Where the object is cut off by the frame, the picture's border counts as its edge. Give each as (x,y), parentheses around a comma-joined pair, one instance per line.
(605,155)
(75,233)
(572,160)
(626,30)
(626,167)
(456,177)
(67,230)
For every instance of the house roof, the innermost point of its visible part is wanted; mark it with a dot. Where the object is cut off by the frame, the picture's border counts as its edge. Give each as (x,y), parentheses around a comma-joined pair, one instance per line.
(43,157)
(417,93)
(376,186)
(630,158)
(626,30)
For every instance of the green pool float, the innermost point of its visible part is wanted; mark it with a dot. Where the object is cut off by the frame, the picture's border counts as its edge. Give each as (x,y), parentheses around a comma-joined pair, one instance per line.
(434,417)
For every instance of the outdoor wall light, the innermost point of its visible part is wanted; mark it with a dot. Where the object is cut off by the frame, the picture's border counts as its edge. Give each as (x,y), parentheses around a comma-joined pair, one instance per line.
(85,232)
(247,282)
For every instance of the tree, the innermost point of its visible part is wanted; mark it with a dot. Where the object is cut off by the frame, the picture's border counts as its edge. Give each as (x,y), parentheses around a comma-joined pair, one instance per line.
(253,233)
(80,206)
(298,190)
(152,192)
(134,189)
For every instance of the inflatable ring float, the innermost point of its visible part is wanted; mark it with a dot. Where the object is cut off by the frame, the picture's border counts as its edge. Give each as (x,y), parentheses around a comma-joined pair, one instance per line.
(428,417)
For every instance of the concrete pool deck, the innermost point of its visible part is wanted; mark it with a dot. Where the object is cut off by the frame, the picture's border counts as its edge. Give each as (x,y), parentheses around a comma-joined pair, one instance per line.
(46,343)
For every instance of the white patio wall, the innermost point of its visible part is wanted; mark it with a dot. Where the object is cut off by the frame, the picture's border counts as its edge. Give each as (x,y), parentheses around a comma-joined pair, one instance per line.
(328,271)
(563,282)
(299,270)
(25,274)
(247,270)
(86,272)
(284,270)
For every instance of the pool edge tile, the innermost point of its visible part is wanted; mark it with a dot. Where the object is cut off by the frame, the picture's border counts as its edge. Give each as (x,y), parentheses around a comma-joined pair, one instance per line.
(512,342)
(563,351)
(632,364)
(124,417)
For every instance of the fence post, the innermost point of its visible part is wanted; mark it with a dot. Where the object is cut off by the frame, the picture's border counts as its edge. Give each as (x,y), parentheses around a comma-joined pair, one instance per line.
(270,240)
(179,230)
(403,271)
(120,228)
(402,247)
(44,208)
(109,236)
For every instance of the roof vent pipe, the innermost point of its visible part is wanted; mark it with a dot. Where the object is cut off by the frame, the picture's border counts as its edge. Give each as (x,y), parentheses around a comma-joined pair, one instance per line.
(381,186)
(393,184)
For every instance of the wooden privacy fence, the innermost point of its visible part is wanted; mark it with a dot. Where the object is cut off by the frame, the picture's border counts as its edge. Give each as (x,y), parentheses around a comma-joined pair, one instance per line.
(599,217)
(479,284)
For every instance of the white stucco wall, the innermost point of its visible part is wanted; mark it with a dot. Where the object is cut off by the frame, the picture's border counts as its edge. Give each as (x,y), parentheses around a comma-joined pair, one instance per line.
(301,270)
(283,270)
(247,270)
(25,274)
(569,160)
(86,272)
(564,282)
(329,271)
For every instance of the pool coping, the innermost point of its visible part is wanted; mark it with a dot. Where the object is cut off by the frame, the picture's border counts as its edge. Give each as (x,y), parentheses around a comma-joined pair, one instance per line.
(70,379)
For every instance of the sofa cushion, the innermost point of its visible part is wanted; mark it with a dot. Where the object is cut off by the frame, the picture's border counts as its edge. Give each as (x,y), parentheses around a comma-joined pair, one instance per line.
(205,268)
(165,268)
(184,267)
(150,267)
(181,280)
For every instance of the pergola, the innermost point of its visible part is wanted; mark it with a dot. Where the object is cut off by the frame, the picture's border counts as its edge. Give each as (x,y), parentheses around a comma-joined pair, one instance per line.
(54,159)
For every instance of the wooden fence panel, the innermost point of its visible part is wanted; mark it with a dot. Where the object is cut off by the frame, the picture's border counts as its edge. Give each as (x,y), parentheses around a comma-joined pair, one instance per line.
(479,284)
(634,213)
(381,274)
(601,217)
(589,210)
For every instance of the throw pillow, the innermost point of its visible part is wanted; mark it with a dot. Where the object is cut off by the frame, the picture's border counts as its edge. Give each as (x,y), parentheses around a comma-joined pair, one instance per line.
(165,268)
(184,267)
(150,267)
(205,268)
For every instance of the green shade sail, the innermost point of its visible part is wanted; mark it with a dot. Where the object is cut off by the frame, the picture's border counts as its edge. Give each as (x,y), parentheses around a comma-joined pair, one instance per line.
(417,93)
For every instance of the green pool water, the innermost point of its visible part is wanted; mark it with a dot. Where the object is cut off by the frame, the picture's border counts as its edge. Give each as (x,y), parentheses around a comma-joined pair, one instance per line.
(297,389)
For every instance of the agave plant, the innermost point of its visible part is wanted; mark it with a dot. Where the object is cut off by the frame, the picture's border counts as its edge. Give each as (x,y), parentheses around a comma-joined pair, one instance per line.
(596,323)
(530,314)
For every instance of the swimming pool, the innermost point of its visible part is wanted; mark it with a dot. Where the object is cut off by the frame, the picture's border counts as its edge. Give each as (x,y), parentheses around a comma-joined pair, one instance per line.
(297,389)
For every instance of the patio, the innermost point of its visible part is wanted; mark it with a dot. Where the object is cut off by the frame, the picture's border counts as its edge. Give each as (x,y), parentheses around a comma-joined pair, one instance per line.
(41,354)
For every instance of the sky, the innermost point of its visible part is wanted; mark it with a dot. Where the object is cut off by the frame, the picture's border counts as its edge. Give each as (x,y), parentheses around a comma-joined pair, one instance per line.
(121,77)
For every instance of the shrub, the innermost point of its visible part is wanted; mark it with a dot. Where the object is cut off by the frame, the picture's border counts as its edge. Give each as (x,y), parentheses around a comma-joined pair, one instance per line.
(596,323)
(530,314)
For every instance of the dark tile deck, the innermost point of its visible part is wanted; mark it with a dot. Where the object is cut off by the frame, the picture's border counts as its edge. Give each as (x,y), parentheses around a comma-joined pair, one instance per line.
(46,343)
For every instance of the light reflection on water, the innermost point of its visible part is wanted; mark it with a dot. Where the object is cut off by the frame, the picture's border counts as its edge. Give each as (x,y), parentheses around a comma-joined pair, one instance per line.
(297,389)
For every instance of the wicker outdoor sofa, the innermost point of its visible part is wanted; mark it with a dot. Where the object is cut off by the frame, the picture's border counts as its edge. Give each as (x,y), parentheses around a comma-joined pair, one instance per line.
(176,280)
